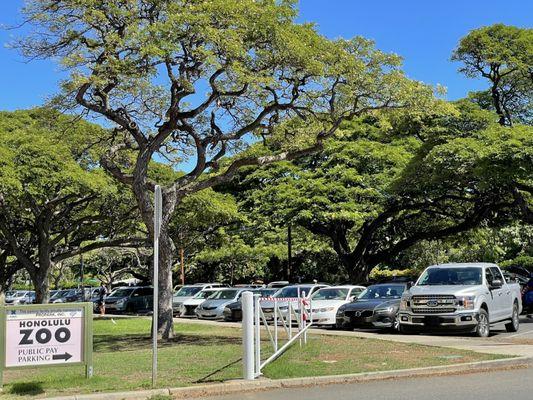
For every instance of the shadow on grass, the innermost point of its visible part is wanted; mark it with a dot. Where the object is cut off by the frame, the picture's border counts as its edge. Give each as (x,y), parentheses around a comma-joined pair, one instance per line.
(106,343)
(26,388)
(206,378)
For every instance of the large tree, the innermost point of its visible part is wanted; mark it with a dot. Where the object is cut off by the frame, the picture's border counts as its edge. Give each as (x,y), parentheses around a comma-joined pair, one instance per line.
(384,184)
(54,201)
(203,79)
(504,56)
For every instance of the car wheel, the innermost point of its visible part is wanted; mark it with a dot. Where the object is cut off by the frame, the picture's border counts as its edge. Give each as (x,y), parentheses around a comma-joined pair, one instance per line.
(483,325)
(515,320)
(130,309)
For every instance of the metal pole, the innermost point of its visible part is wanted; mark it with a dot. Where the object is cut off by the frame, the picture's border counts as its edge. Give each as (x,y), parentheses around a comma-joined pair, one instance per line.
(158,200)
(275,325)
(307,316)
(257,324)
(248,335)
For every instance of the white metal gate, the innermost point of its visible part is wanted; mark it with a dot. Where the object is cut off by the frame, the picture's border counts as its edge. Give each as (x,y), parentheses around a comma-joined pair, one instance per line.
(298,312)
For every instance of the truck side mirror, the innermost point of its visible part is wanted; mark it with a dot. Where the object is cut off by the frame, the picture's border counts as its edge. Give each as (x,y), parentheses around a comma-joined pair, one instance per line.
(496,284)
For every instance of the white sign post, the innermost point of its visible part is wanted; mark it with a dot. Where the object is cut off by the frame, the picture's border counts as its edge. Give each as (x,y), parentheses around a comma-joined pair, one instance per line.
(158,214)
(40,335)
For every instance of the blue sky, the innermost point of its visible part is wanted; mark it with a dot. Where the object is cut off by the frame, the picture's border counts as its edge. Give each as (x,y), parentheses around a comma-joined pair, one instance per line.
(423,32)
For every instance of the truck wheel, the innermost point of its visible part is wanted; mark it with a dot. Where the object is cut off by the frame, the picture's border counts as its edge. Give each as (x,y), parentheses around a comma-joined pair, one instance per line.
(515,320)
(483,326)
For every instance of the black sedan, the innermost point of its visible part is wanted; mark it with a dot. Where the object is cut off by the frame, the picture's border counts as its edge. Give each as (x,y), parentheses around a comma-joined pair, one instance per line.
(376,307)
(233,311)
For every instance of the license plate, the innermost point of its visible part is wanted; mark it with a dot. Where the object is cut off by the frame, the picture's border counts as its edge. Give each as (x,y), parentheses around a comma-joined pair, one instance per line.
(208,314)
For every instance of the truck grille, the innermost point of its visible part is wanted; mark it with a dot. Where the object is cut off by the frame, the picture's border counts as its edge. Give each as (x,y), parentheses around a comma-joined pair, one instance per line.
(436,310)
(433,304)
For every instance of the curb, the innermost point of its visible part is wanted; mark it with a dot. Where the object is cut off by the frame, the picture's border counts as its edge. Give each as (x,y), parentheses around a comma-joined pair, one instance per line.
(241,386)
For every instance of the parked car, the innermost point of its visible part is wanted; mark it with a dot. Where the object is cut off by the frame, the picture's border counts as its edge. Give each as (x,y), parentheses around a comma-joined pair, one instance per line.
(461,297)
(278,284)
(213,307)
(65,296)
(326,301)
(130,299)
(289,294)
(189,306)
(376,307)
(527,296)
(233,311)
(187,292)
(17,297)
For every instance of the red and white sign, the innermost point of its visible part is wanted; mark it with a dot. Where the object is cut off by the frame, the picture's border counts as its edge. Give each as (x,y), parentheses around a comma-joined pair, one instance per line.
(42,337)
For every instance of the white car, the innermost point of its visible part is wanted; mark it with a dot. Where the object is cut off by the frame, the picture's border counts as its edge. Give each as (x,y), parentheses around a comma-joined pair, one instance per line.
(187,292)
(289,294)
(188,306)
(326,301)
(20,297)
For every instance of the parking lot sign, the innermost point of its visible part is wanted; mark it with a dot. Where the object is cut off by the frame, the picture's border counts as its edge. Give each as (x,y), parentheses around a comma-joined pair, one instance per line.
(40,335)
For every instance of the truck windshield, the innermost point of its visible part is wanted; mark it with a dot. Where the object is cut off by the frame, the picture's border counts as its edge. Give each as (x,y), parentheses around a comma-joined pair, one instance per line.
(451,276)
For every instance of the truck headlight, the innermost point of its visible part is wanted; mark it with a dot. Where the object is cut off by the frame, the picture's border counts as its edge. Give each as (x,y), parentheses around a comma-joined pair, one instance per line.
(465,302)
(404,303)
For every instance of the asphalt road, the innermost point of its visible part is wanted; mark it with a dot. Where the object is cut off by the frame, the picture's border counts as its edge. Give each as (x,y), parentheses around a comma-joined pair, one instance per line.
(525,331)
(513,384)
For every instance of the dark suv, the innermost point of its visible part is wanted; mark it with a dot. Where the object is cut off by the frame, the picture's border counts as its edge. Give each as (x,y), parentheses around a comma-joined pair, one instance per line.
(130,299)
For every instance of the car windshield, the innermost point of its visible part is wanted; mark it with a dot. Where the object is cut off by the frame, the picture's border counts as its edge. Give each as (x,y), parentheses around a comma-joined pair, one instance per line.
(382,292)
(10,293)
(121,293)
(451,276)
(223,295)
(203,294)
(331,294)
(188,291)
(267,292)
(292,291)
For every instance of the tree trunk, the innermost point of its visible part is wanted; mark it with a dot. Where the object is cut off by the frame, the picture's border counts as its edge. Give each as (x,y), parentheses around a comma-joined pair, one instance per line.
(358,271)
(497,105)
(165,321)
(41,282)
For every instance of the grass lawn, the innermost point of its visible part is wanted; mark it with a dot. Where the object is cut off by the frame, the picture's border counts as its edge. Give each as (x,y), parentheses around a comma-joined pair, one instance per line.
(202,354)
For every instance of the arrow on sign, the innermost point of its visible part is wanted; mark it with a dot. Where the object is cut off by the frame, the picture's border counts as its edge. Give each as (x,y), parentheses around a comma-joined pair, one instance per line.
(65,356)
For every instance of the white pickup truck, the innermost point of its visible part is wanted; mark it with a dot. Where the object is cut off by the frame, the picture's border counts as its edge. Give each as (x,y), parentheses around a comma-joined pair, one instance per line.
(466,297)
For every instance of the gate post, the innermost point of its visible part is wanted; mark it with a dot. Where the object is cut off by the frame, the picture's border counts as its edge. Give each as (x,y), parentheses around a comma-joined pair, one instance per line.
(248,335)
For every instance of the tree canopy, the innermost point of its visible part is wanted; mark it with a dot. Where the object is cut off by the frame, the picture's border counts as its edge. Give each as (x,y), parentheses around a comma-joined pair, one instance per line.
(54,200)
(504,56)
